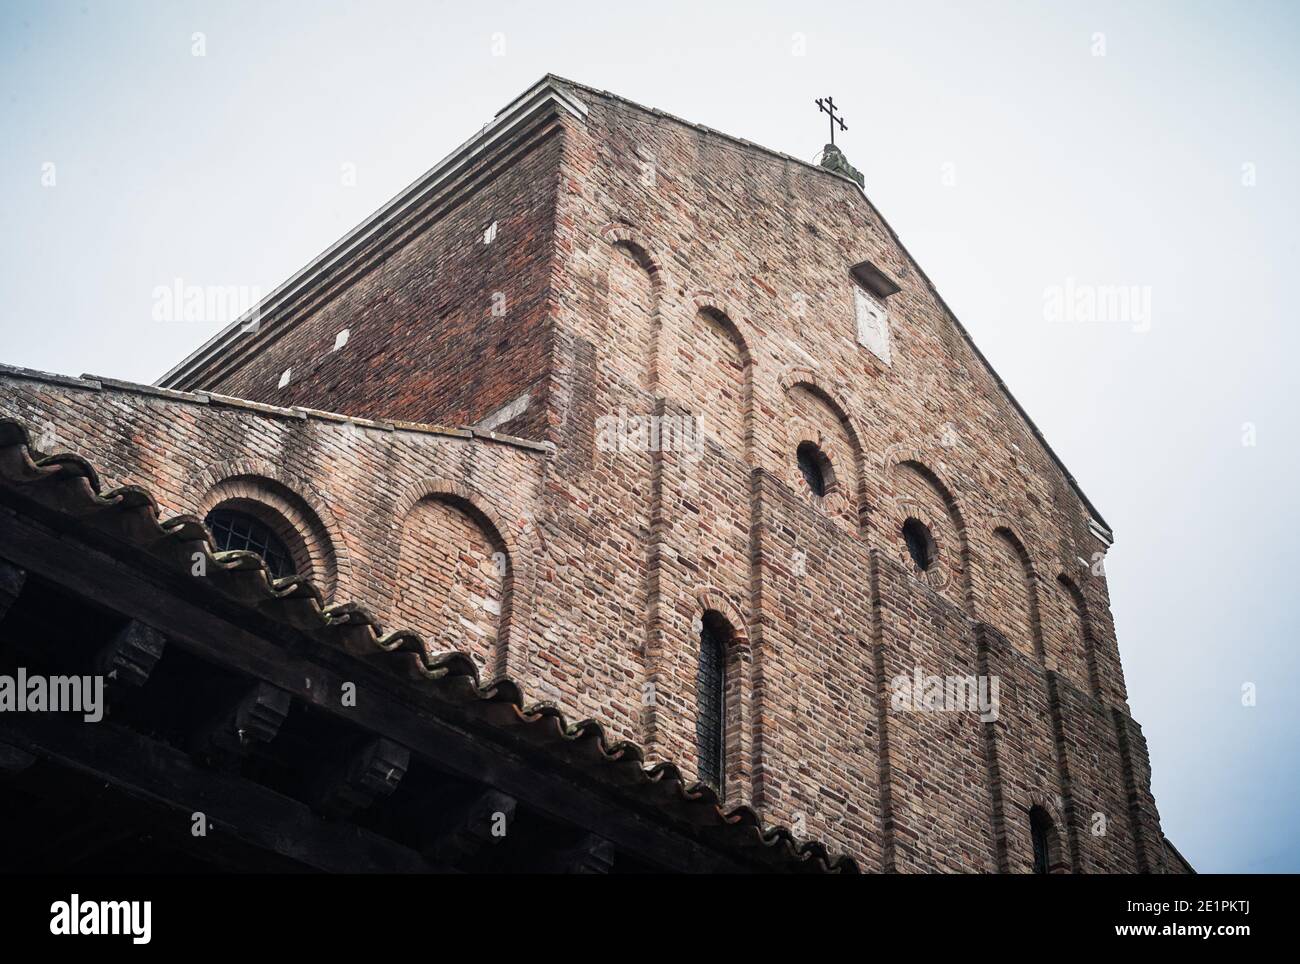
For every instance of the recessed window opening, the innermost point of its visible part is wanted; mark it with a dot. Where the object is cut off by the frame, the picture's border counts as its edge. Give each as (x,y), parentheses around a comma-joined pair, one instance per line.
(920,544)
(814,466)
(233,530)
(1040,828)
(710,695)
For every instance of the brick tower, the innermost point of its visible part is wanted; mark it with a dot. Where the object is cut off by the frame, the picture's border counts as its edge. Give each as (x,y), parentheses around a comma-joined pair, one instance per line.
(721,470)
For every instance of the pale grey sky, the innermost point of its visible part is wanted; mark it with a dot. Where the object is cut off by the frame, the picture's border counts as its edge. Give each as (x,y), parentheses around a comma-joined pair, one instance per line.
(1014,150)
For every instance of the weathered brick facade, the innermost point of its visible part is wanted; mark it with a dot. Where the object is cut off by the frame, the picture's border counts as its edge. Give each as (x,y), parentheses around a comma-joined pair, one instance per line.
(643,266)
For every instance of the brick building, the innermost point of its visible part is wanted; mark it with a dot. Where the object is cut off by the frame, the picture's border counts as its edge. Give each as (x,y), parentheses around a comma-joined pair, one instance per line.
(668,430)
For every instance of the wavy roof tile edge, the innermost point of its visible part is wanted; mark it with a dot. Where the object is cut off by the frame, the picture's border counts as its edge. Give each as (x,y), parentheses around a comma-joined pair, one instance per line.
(364,635)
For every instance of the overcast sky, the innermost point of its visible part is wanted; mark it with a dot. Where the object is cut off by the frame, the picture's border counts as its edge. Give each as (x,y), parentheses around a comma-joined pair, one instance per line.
(1019,149)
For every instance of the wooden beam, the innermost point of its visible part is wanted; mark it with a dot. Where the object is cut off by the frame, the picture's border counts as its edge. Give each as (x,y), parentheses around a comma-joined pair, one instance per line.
(11,584)
(82,841)
(221,631)
(131,655)
(590,855)
(167,780)
(373,771)
(14,760)
(255,718)
(482,824)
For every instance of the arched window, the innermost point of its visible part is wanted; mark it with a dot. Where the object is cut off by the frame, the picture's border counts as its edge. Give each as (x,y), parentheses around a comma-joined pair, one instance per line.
(711,699)
(239,530)
(920,543)
(827,449)
(1040,829)
(814,466)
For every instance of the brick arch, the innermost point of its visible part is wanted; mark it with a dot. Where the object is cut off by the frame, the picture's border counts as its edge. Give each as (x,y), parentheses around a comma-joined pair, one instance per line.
(1009,528)
(738,718)
(924,462)
(511,546)
(621,233)
(929,461)
(832,396)
(295,511)
(712,598)
(1003,530)
(643,257)
(519,537)
(832,393)
(1089,641)
(1022,851)
(702,300)
(911,462)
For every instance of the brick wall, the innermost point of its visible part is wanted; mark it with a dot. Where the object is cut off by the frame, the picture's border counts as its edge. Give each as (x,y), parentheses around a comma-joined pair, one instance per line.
(658,272)
(426,529)
(761,247)
(442,327)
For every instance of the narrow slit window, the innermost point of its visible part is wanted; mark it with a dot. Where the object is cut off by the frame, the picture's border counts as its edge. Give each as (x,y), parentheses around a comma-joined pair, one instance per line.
(711,700)
(1040,829)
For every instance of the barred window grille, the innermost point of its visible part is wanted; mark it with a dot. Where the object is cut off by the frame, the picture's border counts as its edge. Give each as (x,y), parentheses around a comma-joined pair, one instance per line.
(710,698)
(238,530)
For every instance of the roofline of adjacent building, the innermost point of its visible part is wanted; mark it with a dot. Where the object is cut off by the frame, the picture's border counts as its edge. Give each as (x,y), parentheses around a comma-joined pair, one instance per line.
(541,96)
(98,383)
(551,90)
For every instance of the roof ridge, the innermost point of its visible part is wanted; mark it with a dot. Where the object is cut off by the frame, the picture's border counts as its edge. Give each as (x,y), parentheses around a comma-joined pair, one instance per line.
(735,138)
(1108,534)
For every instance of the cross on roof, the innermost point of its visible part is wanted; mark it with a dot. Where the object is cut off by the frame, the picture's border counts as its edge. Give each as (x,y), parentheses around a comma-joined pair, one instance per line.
(827,106)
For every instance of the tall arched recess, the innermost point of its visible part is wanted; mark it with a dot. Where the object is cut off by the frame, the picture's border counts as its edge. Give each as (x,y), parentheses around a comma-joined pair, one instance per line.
(708,370)
(1077,647)
(818,421)
(918,492)
(1012,603)
(454,580)
(633,295)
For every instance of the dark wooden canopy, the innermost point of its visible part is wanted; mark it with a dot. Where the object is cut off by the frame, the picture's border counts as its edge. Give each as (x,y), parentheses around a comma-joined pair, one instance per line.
(248,728)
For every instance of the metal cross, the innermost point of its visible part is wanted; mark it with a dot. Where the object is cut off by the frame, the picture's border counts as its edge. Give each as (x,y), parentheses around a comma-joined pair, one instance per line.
(827,106)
